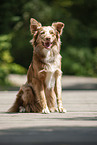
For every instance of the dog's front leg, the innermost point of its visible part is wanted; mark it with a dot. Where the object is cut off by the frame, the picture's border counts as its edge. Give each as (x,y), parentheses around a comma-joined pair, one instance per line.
(43,101)
(40,94)
(58,91)
(51,99)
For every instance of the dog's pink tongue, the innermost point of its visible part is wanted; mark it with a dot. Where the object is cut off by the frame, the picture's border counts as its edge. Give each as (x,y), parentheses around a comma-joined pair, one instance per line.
(47,44)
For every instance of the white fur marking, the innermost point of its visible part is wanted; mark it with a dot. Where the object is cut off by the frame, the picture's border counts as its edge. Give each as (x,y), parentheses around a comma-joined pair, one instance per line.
(45,110)
(50,80)
(46,52)
(51,69)
(21,109)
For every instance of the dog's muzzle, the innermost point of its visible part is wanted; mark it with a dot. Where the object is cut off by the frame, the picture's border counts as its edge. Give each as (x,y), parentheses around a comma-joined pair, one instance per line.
(47,43)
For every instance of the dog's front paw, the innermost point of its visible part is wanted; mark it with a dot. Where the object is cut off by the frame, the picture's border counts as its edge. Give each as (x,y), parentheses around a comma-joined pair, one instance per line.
(53,109)
(62,110)
(21,109)
(45,110)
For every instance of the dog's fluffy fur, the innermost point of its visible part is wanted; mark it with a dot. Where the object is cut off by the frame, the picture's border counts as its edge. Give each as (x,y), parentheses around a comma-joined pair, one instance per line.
(43,87)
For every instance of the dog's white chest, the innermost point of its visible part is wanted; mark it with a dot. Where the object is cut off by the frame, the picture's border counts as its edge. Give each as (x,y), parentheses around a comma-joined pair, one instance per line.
(50,80)
(52,67)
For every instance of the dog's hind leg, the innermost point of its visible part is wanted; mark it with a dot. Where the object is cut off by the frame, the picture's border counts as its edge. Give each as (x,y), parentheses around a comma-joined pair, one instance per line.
(18,102)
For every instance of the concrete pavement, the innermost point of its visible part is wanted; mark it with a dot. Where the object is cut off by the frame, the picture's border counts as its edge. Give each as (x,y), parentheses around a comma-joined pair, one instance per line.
(78,126)
(68,82)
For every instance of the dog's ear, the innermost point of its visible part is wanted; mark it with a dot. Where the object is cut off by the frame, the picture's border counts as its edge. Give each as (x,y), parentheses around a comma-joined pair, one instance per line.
(58,26)
(34,25)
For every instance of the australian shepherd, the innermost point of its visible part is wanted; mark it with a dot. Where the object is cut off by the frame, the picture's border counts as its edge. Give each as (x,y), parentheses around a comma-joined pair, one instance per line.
(42,91)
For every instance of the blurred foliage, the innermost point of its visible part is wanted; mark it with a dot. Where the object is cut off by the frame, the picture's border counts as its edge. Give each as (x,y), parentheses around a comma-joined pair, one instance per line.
(6,60)
(79,39)
(79,61)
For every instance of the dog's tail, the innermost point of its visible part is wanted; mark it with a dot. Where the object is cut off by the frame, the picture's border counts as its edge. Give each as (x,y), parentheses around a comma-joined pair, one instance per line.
(18,102)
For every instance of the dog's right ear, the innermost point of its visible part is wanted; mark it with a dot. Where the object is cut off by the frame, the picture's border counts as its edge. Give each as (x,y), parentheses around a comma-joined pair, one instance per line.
(34,25)
(58,26)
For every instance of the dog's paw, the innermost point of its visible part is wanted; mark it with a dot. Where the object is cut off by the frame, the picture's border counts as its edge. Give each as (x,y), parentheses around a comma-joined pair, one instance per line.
(53,109)
(45,111)
(62,110)
(21,109)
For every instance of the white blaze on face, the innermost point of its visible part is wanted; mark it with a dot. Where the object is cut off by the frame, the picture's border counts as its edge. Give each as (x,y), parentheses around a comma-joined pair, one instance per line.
(47,36)
(48,32)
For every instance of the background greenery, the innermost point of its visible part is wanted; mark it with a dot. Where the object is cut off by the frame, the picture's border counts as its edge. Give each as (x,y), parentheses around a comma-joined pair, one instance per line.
(79,39)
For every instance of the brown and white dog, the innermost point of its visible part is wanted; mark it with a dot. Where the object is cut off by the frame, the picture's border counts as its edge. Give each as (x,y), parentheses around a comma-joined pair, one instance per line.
(43,87)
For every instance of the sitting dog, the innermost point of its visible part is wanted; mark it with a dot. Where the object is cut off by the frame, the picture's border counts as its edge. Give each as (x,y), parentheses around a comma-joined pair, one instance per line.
(43,87)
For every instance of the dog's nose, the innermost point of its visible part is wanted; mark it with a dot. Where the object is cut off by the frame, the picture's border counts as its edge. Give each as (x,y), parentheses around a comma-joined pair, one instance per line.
(47,38)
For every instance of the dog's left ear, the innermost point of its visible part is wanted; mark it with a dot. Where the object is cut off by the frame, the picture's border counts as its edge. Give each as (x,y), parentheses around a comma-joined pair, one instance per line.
(34,25)
(58,26)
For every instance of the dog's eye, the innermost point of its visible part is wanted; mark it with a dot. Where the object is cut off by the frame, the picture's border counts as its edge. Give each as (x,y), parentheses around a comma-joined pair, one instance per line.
(42,32)
(51,32)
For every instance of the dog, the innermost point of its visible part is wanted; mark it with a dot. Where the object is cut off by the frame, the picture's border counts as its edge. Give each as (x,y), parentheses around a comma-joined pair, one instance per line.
(42,90)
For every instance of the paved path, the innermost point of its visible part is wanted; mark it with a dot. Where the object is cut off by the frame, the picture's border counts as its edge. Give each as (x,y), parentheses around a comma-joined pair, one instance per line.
(78,126)
(68,82)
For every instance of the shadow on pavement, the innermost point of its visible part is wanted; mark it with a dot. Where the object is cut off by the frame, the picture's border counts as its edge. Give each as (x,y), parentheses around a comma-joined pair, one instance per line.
(84,86)
(9,88)
(49,136)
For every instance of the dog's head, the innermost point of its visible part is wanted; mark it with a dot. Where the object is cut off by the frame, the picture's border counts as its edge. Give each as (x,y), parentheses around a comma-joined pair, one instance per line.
(46,36)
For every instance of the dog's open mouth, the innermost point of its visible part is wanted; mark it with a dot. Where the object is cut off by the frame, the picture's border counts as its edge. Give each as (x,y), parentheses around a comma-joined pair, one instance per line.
(47,44)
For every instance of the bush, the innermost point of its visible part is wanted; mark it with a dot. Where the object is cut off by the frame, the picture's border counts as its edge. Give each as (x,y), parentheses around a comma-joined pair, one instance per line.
(79,61)
(79,37)
(6,60)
